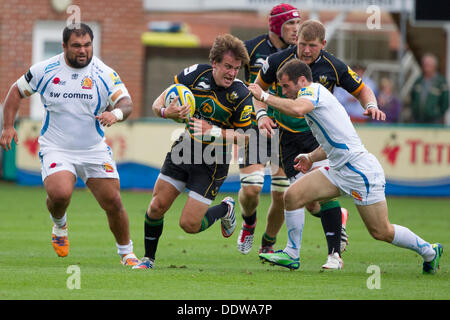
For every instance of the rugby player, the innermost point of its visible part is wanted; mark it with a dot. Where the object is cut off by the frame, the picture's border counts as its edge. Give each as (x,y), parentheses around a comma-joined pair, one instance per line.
(80,95)
(200,158)
(296,137)
(284,22)
(352,170)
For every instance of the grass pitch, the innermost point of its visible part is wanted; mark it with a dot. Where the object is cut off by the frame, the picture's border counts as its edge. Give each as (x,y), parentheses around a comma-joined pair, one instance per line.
(207,266)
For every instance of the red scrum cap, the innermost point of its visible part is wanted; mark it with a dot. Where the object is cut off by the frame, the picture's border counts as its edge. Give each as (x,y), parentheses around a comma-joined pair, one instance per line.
(280,14)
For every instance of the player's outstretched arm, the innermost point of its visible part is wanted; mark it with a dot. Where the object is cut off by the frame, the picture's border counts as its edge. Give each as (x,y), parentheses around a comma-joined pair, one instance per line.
(12,103)
(375,113)
(265,124)
(369,102)
(293,108)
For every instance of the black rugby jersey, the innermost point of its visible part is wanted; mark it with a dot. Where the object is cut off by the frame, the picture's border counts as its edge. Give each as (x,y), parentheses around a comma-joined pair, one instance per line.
(326,70)
(258,49)
(228,108)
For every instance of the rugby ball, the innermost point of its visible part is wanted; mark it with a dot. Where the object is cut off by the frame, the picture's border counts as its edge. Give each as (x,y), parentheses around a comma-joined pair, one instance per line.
(186,97)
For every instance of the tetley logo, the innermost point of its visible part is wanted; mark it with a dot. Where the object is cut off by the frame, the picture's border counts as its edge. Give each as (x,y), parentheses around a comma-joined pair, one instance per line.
(391,150)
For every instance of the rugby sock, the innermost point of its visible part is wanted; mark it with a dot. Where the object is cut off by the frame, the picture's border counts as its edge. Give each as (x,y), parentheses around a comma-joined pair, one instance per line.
(405,238)
(124,249)
(250,220)
(331,218)
(59,222)
(152,230)
(213,214)
(295,220)
(267,240)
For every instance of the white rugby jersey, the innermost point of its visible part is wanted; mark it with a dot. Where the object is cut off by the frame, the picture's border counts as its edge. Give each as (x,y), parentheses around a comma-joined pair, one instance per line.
(331,125)
(72,98)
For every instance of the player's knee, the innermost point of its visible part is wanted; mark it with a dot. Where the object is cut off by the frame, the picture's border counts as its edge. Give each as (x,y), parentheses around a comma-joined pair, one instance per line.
(251,192)
(189,226)
(293,200)
(279,184)
(60,196)
(158,207)
(251,184)
(112,203)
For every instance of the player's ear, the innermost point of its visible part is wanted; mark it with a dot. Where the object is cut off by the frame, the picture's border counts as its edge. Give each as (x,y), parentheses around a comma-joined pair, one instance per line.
(301,81)
(324,43)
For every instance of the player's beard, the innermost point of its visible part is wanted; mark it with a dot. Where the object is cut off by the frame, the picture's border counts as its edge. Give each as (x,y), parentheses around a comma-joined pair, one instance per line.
(75,64)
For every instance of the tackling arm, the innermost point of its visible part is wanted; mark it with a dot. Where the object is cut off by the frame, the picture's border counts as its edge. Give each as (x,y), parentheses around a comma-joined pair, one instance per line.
(369,102)
(265,124)
(293,108)
(259,105)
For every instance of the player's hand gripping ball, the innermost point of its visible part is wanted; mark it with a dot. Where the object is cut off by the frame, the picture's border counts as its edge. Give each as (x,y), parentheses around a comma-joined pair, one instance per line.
(186,97)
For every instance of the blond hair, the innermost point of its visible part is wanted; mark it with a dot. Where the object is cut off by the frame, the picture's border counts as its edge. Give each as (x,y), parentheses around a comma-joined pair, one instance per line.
(311,30)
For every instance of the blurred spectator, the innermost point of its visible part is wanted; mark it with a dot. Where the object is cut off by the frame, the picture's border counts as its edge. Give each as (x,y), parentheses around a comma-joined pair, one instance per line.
(351,104)
(429,95)
(388,102)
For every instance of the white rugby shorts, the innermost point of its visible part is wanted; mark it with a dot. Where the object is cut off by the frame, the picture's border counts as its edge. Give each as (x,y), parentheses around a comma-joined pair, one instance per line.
(362,179)
(94,163)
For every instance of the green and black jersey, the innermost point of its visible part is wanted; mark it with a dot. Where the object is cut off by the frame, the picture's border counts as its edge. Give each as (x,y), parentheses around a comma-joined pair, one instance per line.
(200,163)
(228,108)
(259,49)
(326,70)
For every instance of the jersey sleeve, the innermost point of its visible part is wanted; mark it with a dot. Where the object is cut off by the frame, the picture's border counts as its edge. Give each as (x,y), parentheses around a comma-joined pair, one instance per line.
(247,75)
(241,118)
(349,79)
(268,72)
(310,93)
(29,82)
(116,87)
(190,74)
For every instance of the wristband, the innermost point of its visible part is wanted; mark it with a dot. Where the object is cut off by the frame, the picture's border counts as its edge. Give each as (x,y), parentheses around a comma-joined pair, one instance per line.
(371,105)
(118,113)
(215,132)
(162,110)
(264,96)
(305,155)
(260,113)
